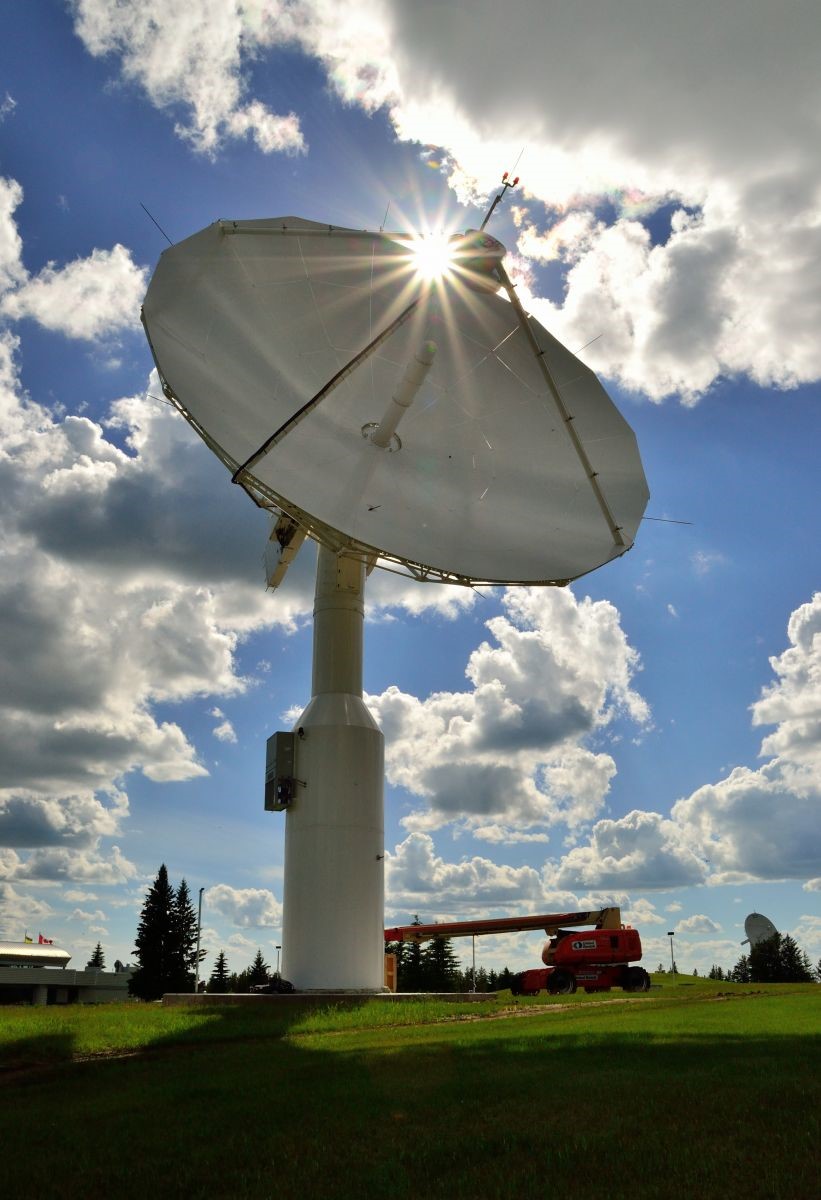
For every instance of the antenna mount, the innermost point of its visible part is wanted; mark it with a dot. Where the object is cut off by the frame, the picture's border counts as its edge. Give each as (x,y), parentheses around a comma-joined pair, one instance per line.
(507,182)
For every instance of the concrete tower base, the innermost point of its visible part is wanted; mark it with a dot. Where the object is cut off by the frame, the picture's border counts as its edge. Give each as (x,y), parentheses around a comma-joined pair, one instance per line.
(333,901)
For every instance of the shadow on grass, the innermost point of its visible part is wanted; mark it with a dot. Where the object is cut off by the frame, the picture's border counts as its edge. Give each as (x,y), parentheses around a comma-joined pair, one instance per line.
(466,1112)
(35,1050)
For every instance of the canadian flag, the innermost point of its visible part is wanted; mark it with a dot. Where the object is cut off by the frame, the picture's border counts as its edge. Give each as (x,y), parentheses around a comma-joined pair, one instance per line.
(44,941)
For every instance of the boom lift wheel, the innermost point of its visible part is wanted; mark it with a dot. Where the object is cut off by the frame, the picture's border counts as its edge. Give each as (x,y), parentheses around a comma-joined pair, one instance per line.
(561,983)
(636,979)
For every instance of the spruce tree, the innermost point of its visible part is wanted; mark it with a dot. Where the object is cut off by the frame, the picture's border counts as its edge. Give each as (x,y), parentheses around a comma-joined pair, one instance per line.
(240,982)
(505,979)
(440,966)
(765,960)
(97,960)
(259,971)
(183,948)
(154,943)
(411,969)
(741,971)
(794,964)
(219,976)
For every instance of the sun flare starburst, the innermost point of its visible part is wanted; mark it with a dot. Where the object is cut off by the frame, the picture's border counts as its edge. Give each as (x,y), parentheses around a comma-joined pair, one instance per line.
(432,255)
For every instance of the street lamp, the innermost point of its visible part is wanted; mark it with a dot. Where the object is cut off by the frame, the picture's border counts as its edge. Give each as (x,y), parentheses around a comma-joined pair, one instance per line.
(199,930)
(278,948)
(671,934)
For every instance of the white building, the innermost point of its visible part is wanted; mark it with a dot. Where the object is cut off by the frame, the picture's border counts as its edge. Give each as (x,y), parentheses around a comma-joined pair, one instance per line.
(34,973)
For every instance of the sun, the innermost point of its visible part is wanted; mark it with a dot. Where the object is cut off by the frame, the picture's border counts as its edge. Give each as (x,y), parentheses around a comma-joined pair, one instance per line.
(432,255)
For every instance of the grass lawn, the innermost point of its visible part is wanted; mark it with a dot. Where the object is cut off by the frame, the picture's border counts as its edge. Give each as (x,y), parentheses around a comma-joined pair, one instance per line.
(696,1089)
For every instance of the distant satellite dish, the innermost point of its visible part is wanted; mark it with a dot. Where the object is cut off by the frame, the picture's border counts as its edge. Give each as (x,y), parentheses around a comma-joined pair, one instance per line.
(281,341)
(758,928)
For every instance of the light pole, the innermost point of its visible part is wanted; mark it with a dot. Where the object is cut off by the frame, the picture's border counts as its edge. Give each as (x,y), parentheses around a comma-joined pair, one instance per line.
(278,948)
(671,935)
(473,989)
(199,930)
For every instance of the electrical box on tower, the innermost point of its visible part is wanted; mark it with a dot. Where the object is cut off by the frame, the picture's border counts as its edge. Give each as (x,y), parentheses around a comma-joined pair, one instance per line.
(279,772)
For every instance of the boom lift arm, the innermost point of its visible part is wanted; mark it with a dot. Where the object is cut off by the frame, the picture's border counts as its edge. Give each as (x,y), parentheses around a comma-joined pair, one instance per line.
(551,923)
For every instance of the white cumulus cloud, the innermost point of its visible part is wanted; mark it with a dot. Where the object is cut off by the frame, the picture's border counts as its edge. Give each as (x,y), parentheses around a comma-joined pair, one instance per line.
(194,54)
(724,282)
(416,877)
(245,907)
(698,923)
(509,753)
(754,824)
(87,298)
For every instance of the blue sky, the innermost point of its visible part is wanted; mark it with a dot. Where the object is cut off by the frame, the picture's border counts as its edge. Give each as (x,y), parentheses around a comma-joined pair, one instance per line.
(143,663)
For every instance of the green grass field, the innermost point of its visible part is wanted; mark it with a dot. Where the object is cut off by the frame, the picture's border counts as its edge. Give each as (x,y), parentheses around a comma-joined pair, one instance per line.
(695,1089)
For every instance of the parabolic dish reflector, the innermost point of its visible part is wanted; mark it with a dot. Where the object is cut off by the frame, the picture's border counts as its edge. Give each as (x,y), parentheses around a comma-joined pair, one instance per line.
(282,341)
(758,928)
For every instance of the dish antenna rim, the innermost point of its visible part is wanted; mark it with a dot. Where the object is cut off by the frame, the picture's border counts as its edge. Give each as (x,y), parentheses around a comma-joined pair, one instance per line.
(473,244)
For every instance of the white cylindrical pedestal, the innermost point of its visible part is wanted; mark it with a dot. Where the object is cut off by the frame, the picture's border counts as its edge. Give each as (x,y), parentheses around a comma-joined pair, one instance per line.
(333,899)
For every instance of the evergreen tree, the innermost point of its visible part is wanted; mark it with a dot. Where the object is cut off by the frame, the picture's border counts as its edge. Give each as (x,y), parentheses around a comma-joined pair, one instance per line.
(440,966)
(97,960)
(661,969)
(505,978)
(183,947)
(154,943)
(715,972)
(765,960)
(795,966)
(219,976)
(259,971)
(411,971)
(240,982)
(741,971)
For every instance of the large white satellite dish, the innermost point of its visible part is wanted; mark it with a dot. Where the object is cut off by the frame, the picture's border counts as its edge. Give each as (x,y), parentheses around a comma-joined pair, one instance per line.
(758,928)
(281,341)
(391,410)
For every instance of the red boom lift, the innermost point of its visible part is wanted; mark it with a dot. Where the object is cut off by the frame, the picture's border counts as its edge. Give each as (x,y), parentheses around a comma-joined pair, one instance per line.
(596,959)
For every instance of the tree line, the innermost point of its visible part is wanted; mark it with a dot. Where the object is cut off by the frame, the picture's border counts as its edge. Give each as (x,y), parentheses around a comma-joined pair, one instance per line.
(223,980)
(166,953)
(779,959)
